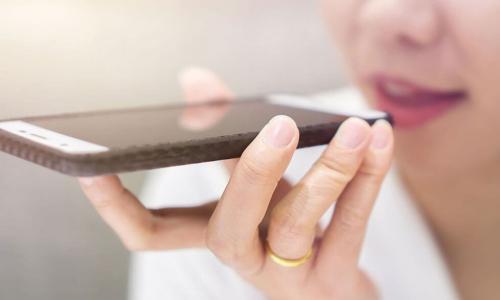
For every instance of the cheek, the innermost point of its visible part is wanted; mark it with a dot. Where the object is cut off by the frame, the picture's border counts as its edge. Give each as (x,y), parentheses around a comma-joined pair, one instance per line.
(341,16)
(476,30)
(342,19)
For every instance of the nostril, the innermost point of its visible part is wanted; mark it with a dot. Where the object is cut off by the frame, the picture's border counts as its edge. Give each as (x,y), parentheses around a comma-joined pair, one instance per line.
(407,42)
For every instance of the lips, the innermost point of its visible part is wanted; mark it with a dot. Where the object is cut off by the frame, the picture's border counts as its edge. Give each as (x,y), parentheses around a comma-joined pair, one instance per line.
(412,105)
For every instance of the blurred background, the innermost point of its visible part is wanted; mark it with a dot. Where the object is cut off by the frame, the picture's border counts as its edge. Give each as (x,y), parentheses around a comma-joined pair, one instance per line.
(67,56)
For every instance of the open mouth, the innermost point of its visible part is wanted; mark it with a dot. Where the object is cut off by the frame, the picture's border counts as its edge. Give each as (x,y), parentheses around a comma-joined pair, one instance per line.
(412,105)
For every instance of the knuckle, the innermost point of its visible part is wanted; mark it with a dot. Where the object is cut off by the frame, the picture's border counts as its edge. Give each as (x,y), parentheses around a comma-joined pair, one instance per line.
(371,179)
(234,253)
(255,172)
(373,174)
(228,250)
(142,239)
(336,173)
(338,170)
(289,226)
(372,171)
(350,219)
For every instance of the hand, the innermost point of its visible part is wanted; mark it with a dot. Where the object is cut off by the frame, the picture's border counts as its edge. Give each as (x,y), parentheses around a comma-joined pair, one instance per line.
(257,207)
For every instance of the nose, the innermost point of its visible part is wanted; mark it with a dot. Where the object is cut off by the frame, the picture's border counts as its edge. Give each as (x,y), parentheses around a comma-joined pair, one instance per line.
(411,23)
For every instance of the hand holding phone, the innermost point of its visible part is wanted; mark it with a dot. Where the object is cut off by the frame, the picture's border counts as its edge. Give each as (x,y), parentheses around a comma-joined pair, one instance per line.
(259,211)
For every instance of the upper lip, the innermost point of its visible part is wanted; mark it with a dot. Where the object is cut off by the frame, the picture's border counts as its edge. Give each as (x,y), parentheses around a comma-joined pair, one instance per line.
(406,92)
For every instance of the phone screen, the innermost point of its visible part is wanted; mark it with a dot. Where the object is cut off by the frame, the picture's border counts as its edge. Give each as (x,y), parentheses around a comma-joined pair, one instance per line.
(90,133)
(174,124)
(110,142)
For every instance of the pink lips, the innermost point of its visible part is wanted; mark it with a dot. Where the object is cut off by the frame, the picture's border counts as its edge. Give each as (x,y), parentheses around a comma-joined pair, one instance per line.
(411,105)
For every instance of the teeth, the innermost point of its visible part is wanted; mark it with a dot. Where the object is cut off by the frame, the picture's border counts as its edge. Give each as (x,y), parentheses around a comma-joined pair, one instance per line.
(398,90)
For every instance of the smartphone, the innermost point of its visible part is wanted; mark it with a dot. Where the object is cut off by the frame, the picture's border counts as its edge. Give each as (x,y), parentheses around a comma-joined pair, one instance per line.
(110,142)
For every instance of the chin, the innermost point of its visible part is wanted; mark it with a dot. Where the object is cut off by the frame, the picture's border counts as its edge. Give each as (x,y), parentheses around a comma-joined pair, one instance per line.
(447,148)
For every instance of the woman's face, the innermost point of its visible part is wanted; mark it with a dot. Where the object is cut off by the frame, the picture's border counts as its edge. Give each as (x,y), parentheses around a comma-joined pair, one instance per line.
(435,65)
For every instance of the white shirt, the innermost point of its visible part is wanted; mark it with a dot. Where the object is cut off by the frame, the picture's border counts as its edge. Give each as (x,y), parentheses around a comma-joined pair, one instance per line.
(399,253)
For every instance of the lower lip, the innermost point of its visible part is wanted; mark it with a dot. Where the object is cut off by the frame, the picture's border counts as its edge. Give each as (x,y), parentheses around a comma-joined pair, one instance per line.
(409,115)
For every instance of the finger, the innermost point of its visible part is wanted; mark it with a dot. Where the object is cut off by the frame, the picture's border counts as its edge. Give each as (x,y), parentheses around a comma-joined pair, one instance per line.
(233,229)
(294,220)
(281,190)
(343,238)
(139,228)
(203,86)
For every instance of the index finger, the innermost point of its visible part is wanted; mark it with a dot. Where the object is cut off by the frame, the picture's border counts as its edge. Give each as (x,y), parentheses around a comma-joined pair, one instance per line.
(121,210)
(143,229)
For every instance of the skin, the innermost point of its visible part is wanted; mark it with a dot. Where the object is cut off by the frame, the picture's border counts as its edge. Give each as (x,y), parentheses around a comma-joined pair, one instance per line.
(450,164)
(258,206)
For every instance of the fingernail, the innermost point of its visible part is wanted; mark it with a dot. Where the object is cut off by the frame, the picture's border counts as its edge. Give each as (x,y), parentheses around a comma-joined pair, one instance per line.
(279,132)
(381,134)
(352,133)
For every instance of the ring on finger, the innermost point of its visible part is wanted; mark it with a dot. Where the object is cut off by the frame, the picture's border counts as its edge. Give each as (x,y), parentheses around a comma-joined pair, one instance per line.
(285,262)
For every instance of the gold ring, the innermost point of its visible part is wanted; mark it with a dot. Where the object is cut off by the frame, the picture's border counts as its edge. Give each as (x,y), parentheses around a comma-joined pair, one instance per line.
(285,262)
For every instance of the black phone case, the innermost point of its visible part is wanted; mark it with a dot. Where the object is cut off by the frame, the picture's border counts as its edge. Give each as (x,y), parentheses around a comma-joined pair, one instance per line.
(152,156)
